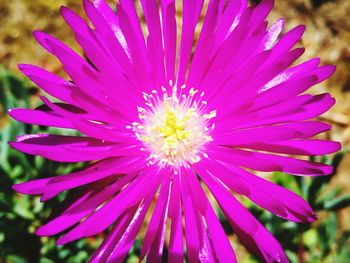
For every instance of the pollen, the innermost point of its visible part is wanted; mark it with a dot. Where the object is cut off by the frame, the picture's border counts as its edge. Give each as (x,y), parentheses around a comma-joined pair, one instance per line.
(174,126)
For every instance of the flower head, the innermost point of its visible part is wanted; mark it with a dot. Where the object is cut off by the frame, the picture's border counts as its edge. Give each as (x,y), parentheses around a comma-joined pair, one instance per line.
(161,115)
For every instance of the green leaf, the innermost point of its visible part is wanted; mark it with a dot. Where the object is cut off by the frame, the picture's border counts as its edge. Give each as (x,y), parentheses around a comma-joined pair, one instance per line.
(310,238)
(338,203)
(15,259)
(286,180)
(318,183)
(327,233)
(46,260)
(292,256)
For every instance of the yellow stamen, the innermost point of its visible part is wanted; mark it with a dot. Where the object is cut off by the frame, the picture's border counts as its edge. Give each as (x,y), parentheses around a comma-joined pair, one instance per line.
(174,129)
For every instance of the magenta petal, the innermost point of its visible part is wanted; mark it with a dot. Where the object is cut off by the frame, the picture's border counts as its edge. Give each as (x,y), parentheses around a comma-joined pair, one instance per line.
(95,172)
(169,36)
(130,27)
(296,147)
(100,56)
(228,202)
(198,245)
(292,82)
(272,34)
(206,254)
(230,19)
(128,7)
(287,131)
(83,208)
(262,78)
(70,148)
(50,83)
(107,29)
(126,241)
(296,109)
(236,184)
(111,240)
(262,244)
(102,16)
(297,208)
(203,53)
(287,41)
(157,223)
(81,72)
(271,197)
(269,163)
(221,244)
(254,238)
(129,236)
(154,40)
(93,128)
(191,12)
(303,107)
(130,196)
(39,118)
(66,55)
(282,91)
(117,244)
(192,230)
(175,242)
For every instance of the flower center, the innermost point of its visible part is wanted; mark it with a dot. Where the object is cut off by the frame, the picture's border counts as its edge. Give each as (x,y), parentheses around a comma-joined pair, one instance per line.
(174,127)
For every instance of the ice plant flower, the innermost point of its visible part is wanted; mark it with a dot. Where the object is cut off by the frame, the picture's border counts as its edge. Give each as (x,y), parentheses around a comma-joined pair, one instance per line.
(166,121)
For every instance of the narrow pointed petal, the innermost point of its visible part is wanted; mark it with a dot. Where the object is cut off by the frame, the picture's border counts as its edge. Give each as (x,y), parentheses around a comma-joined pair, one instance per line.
(40,118)
(93,128)
(230,19)
(255,237)
(92,173)
(221,245)
(272,34)
(296,147)
(287,131)
(228,203)
(297,208)
(191,12)
(176,236)
(76,213)
(263,193)
(154,40)
(203,53)
(303,107)
(269,163)
(157,223)
(130,196)
(192,232)
(50,83)
(287,41)
(169,36)
(127,239)
(111,240)
(69,148)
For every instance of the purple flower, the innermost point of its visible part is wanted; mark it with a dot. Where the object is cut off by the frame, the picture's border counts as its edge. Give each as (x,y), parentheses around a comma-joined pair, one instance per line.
(163,120)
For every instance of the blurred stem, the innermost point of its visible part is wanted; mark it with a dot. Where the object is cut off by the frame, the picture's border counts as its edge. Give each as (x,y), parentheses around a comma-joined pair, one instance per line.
(301,249)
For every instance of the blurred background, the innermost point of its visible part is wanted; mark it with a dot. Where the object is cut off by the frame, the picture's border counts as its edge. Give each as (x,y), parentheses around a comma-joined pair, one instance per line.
(327,240)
